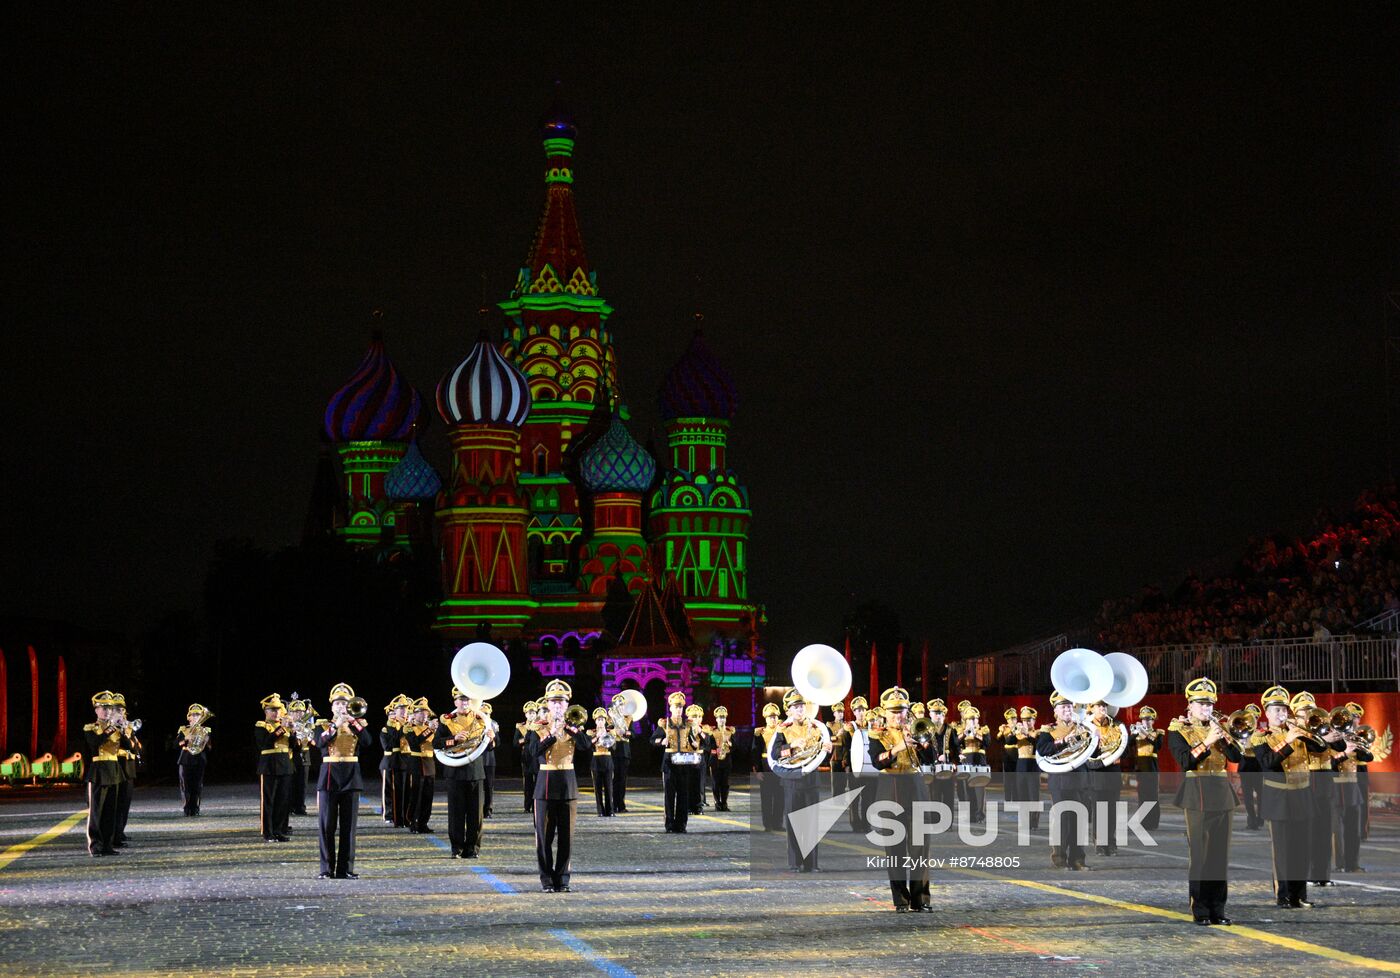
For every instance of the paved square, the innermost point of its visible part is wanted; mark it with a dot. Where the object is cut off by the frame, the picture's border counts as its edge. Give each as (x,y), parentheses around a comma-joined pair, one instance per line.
(207,897)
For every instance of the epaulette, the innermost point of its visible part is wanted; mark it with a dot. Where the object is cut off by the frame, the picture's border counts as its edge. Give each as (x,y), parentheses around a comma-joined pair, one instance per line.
(445,717)
(265,725)
(1258,739)
(1175,725)
(92,728)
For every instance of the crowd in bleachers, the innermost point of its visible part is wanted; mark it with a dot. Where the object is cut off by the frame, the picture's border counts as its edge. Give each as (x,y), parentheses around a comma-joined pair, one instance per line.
(1346,571)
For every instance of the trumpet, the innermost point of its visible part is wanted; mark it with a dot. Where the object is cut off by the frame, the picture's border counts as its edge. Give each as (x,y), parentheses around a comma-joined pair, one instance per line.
(575,716)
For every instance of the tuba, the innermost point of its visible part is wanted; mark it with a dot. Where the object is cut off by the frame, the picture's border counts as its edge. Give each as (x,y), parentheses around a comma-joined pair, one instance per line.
(480,670)
(822,675)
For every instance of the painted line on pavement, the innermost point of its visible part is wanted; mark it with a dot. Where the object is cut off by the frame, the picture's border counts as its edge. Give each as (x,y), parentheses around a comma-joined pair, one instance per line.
(495,882)
(48,835)
(586,951)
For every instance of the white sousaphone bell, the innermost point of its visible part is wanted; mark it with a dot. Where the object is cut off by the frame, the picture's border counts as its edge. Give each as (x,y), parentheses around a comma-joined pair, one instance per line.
(1084,676)
(633,707)
(820,674)
(482,672)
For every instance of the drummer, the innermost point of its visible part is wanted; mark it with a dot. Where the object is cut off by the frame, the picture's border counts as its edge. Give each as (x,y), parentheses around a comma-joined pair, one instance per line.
(972,737)
(945,754)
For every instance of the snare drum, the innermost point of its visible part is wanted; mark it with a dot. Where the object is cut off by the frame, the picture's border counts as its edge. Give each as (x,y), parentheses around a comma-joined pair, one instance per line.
(685,757)
(977,775)
(941,772)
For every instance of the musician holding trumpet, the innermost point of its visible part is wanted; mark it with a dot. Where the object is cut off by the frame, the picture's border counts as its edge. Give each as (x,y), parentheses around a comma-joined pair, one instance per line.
(602,739)
(106,738)
(1202,747)
(340,740)
(554,741)
(272,735)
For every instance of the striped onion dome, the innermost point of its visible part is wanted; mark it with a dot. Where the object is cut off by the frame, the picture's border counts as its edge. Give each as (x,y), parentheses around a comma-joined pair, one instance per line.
(616,463)
(412,479)
(485,388)
(698,387)
(376,404)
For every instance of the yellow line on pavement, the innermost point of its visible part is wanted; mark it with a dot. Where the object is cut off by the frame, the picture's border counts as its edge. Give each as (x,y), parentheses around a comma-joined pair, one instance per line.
(48,835)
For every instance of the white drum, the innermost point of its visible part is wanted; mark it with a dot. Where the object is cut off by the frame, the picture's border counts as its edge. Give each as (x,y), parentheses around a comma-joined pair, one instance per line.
(685,757)
(977,775)
(943,771)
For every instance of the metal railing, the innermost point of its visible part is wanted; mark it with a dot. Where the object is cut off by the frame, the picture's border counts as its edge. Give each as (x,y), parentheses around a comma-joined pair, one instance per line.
(1345,663)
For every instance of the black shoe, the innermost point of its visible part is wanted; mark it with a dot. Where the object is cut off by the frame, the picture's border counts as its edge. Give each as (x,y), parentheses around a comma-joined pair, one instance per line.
(347,876)
(563,889)
(924,908)
(1322,883)
(1202,921)
(1078,867)
(455,853)
(1221,921)
(326,876)
(486,814)
(95,853)
(1301,904)
(425,830)
(899,908)
(1285,903)
(470,854)
(110,852)
(1057,860)
(547,888)
(283,838)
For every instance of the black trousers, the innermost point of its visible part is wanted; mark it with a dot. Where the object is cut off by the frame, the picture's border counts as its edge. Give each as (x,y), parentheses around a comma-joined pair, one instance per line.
(1028,785)
(942,790)
(602,783)
(422,811)
(276,811)
(192,782)
(976,803)
(619,791)
(337,816)
(1250,778)
(299,788)
(1320,830)
(123,808)
(702,777)
(554,839)
(1363,782)
(681,783)
(799,793)
(1291,857)
(1009,783)
(400,791)
(102,816)
(1105,788)
(1208,839)
(464,816)
(488,785)
(1069,850)
(531,774)
(1148,793)
(412,784)
(1348,837)
(908,870)
(720,780)
(860,823)
(386,794)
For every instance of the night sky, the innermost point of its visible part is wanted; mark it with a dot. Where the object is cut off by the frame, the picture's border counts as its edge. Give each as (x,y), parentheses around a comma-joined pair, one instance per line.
(1026,307)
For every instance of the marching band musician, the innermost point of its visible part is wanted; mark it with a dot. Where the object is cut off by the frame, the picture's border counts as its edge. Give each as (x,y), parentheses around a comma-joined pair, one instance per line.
(556,791)
(621,754)
(1064,786)
(393,766)
(1027,770)
(1203,749)
(1319,793)
(339,784)
(465,802)
(422,727)
(1105,781)
(797,733)
(296,714)
(272,735)
(898,759)
(193,741)
(680,777)
(695,716)
(1147,744)
(128,760)
(918,712)
(1363,776)
(1282,754)
(1347,800)
(105,738)
(529,764)
(769,793)
(488,764)
(944,751)
(1249,773)
(1006,736)
(971,746)
(860,720)
(840,747)
(722,735)
(601,737)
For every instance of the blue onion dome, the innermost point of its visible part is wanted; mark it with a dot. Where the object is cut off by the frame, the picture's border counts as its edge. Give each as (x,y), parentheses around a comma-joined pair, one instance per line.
(698,387)
(485,388)
(412,479)
(376,404)
(616,463)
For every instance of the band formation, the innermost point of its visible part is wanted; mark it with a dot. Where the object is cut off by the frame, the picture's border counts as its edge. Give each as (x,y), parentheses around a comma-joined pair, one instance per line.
(1302,771)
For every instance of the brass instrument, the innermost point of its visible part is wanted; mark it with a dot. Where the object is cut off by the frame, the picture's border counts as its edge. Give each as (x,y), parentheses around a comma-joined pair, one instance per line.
(922,732)
(357,707)
(1081,744)
(802,759)
(576,716)
(1366,734)
(197,737)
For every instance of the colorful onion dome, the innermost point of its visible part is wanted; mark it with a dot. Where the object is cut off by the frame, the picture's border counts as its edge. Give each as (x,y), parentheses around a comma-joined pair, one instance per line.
(485,388)
(616,463)
(412,479)
(698,387)
(376,404)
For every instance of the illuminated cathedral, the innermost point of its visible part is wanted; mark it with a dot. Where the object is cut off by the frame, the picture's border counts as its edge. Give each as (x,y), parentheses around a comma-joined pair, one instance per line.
(553,518)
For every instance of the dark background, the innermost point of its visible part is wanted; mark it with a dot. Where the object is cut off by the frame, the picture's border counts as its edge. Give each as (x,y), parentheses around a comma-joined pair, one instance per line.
(1026,306)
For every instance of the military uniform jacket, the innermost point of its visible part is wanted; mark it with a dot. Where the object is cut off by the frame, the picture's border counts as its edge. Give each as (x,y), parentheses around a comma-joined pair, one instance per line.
(1284,795)
(488,759)
(972,749)
(338,771)
(274,748)
(1205,784)
(723,740)
(1049,741)
(840,744)
(945,745)
(528,761)
(188,758)
(1145,750)
(103,763)
(420,746)
(761,737)
(678,736)
(394,742)
(556,781)
(449,726)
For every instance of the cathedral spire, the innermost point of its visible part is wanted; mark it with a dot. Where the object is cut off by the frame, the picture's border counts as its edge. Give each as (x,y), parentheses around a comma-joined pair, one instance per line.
(557,261)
